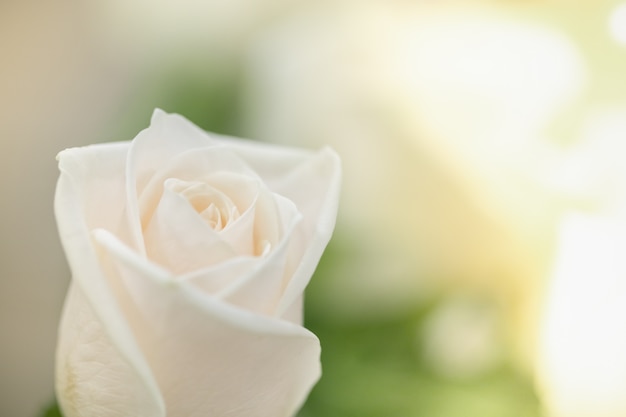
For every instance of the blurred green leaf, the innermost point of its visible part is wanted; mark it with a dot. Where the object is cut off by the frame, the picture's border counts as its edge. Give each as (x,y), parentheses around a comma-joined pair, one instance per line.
(374,368)
(209,98)
(52,411)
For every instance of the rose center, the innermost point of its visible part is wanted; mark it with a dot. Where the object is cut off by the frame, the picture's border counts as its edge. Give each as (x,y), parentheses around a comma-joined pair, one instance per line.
(215,207)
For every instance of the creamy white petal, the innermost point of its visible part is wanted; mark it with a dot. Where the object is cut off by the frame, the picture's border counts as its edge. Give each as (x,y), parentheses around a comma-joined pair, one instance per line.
(271,162)
(310,179)
(167,136)
(242,189)
(210,358)
(154,147)
(314,188)
(178,239)
(245,192)
(295,312)
(191,165)
(76,208)
(97,174)
(93,377)
(261,288)
(239,233)
(219,277)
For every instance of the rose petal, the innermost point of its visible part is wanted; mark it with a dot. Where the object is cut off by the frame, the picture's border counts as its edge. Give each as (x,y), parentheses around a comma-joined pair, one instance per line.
(312,181)
(93,377)
(247,193)
(167,136)
(218,277)
(270,162)
(255,283)
(194,165)
(207,356)
(178,239)
(320,176)
(92,322)
(261,288)
(97,174)
(295,312)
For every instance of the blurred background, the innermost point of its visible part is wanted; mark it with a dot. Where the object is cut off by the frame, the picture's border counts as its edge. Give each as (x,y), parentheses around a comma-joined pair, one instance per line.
(479,262)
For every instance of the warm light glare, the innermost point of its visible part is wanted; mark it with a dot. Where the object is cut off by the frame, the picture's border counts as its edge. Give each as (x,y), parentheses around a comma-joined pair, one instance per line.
(486,124)
(617,24)
(520,71)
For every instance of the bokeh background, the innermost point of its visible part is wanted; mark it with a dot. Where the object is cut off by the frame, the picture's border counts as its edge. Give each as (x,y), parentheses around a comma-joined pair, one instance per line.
(479,262)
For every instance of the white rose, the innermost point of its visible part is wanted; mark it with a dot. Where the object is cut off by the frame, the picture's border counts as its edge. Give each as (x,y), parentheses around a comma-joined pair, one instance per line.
(189,253)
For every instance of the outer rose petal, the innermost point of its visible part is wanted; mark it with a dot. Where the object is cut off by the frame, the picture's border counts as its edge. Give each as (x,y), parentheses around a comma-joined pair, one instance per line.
(210,358)
(93,328)
(95,175)
(321,177)
(93,377)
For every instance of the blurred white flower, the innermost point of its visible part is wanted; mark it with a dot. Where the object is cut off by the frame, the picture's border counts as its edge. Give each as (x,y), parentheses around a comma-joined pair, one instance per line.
(582,366)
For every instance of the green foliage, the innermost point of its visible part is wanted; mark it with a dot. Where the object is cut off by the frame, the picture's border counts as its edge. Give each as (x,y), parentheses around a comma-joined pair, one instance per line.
(210,100)
(373,368)
(52,411)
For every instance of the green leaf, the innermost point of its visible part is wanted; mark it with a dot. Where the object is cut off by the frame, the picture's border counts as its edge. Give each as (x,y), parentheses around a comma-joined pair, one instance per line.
(52,411)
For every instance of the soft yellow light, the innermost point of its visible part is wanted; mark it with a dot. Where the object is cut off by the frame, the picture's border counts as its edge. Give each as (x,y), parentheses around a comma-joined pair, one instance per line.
(617,23)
